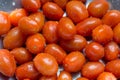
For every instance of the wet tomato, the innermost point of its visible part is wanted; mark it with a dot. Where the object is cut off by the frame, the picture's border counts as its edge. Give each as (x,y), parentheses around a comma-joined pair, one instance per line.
(35,43)
(7,63)
(21,55)
(94,51)
(74,61)
(77,11)
(54,77)
(64,75)
(102,34)
(46,64)
(13,39)
(86,26)
(16,15)
(91,70)
(66,28)
(50,31)
(31,5)
(56,51)
(27,70)
(52,11)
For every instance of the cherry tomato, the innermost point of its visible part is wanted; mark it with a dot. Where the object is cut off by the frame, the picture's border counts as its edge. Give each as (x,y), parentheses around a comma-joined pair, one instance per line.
(48,77)
(64,75)
(5,24)
(31,5)
(116,32)
(35,43)
(76,44)
(113,67)
(46,64)
(66,28)
(21,55)
(50,31)
(102,34)
(26,79)
(77,11)
(39,18)
(45,1)
(111,18)
(27,70)
(7,63)
(94,51)
(82,78)
(91,70)
(86,26)
(74,61)
(98,8)
(16,15)
(106,76)
(52,11)
(111,51)
(28,26)
(56,51)
(13,39)
(81,0)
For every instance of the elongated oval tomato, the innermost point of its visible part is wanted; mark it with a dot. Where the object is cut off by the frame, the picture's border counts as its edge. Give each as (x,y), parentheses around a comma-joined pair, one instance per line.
(7,63)
(77,11)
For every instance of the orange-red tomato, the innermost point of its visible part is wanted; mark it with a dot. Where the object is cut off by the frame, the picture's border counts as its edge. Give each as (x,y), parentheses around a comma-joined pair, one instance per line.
(64,75)
(91,70)
(21,55)
(98,8)
(66,28)
(102,34)
(74,61)
(28,26)
(77,11)
(54,77)
(39,18)
(35,43)
(82,78)
(45,1)
(16,15)
(26,79)
(86,26)
(56,51)
(46,64)
(111,51)
(76,44)
(81,0)
(50,31)
(5,24)
(13,39)
(111,18)
(113,67)
(116,32)
(27,70)
(106,76)
(31,5)
(94,51)
(7,63)
(52,11)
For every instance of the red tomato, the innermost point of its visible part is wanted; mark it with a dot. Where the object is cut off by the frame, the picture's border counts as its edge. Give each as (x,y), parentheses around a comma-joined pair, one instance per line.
(46,64)
(86,26)
(27,70)
(111,18)
(7,63)
(45,1)
(52,11)
(4,23)
(66,28)
(102,34)
(91,70)
(16,15)
(50,31)
(35,43)
(77,11)
(54,77)
(31,5)
(21,55)
(82,78)
(74,61)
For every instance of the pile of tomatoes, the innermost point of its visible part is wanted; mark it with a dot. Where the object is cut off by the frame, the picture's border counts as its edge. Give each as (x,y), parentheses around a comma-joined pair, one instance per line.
(38,38)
